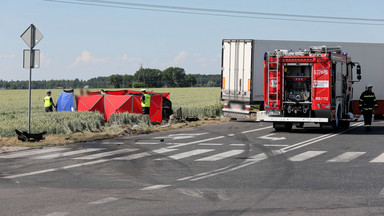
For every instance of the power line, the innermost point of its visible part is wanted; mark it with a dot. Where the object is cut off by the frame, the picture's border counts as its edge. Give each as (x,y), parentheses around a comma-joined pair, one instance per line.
(227,11)
(80,2)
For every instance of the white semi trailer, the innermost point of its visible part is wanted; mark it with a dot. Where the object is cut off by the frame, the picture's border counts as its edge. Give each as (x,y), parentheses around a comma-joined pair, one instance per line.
(242,71)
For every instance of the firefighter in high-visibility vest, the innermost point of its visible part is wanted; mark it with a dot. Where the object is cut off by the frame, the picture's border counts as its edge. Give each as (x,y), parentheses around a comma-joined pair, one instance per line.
(48,102)
(145,104)
(367,105)
(102,92)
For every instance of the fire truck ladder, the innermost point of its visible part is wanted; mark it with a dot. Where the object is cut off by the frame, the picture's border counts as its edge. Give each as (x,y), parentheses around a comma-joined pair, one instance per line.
(273,80)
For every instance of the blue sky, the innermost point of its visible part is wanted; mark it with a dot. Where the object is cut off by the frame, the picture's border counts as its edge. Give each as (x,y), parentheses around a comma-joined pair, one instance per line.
(86,41)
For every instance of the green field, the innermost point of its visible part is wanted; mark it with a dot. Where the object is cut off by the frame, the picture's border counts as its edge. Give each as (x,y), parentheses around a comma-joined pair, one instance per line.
(14,111)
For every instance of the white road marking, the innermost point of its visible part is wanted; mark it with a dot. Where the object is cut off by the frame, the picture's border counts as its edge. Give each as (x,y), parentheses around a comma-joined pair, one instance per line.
(381,194)
(237,144)
(154,187)
(54,169)
(346,157)
(70,153)
(144,154)
(231,134)
(105,154)
(147,143)
(379,159)
(306,155)
(113,143)
(258,129)
(220,156)
(197,141)
(58,214)
(210,144)
(103,201)
(275,145)
(31,152)
(187,154)
(134,156)
(180,136)
(269,137)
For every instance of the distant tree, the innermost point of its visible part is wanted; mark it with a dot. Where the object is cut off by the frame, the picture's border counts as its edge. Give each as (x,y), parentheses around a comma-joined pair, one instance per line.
(175,77)
(151,77)
(127,81)
(191,80)
(115,80)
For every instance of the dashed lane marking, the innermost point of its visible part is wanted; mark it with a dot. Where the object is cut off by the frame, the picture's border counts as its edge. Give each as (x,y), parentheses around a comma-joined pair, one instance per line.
(105,154)
(306,155)
(31,152)
(103,201)
(154,187)
(187,154)
(70,153)
(220,156)
(346,157)
(58,214)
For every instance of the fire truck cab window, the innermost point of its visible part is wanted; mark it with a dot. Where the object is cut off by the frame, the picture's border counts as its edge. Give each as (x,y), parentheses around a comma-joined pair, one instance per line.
(297,71)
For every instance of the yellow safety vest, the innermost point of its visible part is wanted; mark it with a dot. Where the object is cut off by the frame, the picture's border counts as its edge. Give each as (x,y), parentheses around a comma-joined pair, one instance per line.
(47,101)
(103,93)
(147,101)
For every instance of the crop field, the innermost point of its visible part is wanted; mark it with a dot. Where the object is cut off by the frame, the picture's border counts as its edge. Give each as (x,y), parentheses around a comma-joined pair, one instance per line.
(201,102)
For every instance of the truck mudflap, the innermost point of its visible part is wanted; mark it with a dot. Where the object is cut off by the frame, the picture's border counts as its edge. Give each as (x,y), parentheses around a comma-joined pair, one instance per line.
(295,119)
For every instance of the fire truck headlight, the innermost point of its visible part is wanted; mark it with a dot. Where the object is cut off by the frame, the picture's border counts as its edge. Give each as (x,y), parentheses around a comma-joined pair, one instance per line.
(298,97)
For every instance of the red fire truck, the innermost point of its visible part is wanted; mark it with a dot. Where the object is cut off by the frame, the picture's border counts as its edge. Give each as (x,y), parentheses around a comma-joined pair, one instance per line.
(314,85)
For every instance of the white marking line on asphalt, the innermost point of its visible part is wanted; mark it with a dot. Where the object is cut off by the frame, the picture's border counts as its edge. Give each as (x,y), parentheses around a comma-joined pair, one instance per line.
(54,169)
(112,143)
(70,153)
(187,154)
(103,201)
(346,157)
(254,130)
(306,155)
(379,159)
(134,156)
(31,152)
(147,143)
(105,154)
(210,144)
(144,154)
(257,158)
(220,156)
(275,145)
(381,194)
(58,214)
(237,144)
(154,187)
(231,134)
(195,142)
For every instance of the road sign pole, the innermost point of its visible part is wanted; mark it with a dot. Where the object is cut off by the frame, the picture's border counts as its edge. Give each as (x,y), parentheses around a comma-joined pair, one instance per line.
(31,58)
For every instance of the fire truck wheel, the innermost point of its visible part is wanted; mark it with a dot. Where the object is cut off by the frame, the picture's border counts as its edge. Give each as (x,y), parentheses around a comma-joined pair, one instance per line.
(300,125)
(233,119)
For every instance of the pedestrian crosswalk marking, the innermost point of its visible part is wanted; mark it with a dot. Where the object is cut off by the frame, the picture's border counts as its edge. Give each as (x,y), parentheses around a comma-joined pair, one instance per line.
(379,159)
(105,154)
(346,157)
(70,153)
(187,154)
(220,156)
(144,154)
(306,155)
(31,152)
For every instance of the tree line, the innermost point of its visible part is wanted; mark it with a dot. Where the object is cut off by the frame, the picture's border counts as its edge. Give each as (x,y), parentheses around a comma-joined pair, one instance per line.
(144,77)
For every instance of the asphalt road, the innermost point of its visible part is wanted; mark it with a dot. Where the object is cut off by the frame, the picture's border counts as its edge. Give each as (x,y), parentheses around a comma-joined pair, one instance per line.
(234,168)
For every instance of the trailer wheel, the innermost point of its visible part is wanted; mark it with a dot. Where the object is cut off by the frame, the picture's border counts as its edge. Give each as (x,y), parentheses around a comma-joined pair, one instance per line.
(233,119)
